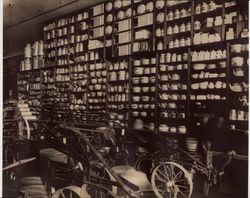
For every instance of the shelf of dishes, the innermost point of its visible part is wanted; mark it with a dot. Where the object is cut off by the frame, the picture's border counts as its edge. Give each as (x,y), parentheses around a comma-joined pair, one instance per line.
(238,113)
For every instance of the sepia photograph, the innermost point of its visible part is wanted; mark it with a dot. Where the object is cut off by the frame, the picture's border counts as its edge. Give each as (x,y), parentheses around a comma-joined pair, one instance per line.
(125,98)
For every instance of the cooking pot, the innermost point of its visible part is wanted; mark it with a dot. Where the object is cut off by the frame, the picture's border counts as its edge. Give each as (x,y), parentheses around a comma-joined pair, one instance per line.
(138,70)
(165,96)
(120,117)
(153,70)
(99,80)
(174,86)
(163,68)
(145,89)
(164,114)
(136,80)
(147,70)
(97,87)
(238,87)
(99,93)
(210,85)
(140,106)
(137,62)
(91,87)
(93,94)
(175,77)
(218,84)
(134,106)
(143,114)
(165,77)
(93,80)
(135,113)
(98,73)
(172,105)
(170,67)
(152,79)
(236,48)
(174,97)
(211,66)
(238,72)
(144,80)
(165,87)
(152,89)
(152,106)
(203,85)
(195,76)
(138,124)
(136,89)
(183,97)
(145,98)
(145,61)
(136,98)
(104,73)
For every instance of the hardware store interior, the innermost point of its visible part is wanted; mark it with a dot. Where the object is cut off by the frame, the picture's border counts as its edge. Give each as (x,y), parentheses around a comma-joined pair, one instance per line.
(125,98)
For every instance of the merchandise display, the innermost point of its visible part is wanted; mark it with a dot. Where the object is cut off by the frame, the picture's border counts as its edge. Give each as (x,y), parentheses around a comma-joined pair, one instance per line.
(186,49)
(140,89)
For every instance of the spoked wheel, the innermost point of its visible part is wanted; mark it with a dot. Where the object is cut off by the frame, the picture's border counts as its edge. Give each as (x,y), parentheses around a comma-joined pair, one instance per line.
(171,180)
(71,192)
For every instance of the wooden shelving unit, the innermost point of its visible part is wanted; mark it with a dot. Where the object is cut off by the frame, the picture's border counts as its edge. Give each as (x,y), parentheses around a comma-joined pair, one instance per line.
(137,60)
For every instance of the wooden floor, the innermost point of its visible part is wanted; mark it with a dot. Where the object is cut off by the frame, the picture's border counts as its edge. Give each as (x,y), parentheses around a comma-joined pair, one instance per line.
(227,191)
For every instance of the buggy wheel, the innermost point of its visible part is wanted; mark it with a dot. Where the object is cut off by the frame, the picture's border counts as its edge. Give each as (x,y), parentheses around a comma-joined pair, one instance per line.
(171,180)
(71,192)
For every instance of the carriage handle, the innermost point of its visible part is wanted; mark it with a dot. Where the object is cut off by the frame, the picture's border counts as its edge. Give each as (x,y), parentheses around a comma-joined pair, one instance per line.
(125,187)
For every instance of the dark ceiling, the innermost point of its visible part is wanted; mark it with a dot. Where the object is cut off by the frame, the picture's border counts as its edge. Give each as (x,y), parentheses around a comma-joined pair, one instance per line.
(23,20)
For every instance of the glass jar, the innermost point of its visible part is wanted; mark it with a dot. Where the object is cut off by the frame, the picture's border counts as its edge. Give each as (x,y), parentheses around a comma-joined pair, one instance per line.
(188,41)
(176,43)
(198,9)
(177,14)
(176,29)
(170,15)
(171,44)
(169,30)
(204,7)
(182,27)
(182,42)
(160,46)
(188,26)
